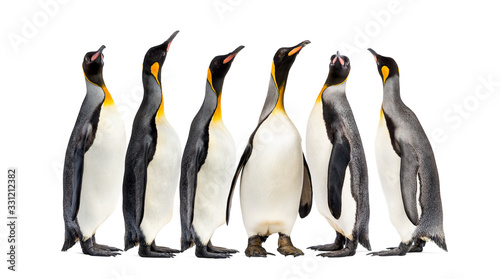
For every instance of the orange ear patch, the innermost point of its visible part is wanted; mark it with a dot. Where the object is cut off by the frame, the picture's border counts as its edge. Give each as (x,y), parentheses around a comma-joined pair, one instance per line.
(385,72)
(209,78)
(155,68)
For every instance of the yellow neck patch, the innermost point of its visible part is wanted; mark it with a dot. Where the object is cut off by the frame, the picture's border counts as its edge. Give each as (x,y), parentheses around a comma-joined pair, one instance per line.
(155,68)
(108,100)
(318,100)
(217,113)
(381,112)
(161,109)
(385,72)
(280,104)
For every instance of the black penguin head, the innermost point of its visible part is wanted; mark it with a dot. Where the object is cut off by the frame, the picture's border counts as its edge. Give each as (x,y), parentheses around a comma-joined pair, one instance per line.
(218,69)
(283,61)
(92,66)
(340,66)
(155,57)
(386,66)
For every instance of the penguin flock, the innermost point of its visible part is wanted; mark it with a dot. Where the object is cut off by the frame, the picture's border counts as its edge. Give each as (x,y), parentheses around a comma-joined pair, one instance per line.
(277,180)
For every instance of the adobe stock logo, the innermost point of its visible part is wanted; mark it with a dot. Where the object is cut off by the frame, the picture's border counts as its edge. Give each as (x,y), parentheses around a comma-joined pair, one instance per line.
(373,28)
(453,118)
(31,26)
(223,7)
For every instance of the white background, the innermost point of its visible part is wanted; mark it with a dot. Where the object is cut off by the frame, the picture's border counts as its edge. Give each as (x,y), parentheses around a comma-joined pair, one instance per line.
(444,50)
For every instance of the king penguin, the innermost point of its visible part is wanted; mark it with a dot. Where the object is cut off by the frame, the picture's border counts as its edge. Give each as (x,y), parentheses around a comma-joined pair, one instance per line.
(275,180)
(207,166)
(407,169)
(152,163)
(94,163)
(338,166)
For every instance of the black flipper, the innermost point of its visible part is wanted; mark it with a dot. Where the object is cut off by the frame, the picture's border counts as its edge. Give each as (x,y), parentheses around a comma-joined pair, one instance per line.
(134,189)
(241,164)
(188,186)
(306,196)
(339,160)
(78,171)
(141,184)
(408,177)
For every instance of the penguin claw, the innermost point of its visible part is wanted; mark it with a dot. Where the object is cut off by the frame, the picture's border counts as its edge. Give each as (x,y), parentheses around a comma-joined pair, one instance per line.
(418,246)
(257,251)
(220,250)
(397,251)
(104,247)
(162,249)
(202,252)
(101,253)
(326,247)
(337,254)
(286,248)
(290,251)
(91,248)
(148,251)
(107,248)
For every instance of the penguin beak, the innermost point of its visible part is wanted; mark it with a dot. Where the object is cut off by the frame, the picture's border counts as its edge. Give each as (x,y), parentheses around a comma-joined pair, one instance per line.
(98,54)
(338,58)
(298,47)
(375,55)
(170,39)
(232,54)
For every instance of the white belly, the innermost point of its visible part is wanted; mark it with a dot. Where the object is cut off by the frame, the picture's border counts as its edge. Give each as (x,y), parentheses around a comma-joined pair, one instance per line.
(102,172)
(319,150)
(271,183)
(162,181)
(214,182)
(389,163)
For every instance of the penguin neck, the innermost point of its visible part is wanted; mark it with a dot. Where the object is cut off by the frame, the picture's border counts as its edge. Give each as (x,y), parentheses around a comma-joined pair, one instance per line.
(274,100)
(212,98)
(153,96)
(280,107)
(97,90)
(392,97)
(332,92)
(280,84)
(320,95)
(217,117)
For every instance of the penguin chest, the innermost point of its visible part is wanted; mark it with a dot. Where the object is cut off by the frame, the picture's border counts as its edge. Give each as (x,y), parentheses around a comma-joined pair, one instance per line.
(389,164)
(271,181)
(214,178)
(162,178)
(103,170)
(319,150)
